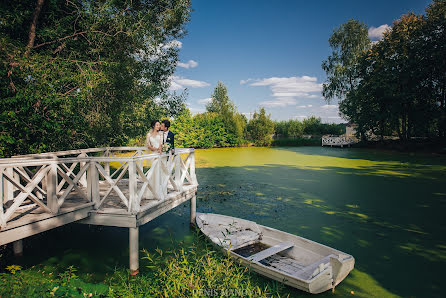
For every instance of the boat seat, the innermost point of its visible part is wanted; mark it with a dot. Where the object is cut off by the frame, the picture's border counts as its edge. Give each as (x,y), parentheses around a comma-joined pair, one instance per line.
(270,251)
(310,271)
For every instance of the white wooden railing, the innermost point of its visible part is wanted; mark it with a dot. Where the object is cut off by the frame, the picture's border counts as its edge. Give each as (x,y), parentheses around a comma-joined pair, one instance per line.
(46,180)
(338,141)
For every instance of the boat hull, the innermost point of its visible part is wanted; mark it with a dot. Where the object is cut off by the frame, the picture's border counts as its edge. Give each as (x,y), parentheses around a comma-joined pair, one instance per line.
(307,265)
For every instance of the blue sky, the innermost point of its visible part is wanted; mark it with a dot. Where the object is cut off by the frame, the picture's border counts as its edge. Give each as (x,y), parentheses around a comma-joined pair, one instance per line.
(269,53)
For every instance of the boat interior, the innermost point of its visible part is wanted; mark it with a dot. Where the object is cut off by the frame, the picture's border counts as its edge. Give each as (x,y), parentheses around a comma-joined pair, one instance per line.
(275,249)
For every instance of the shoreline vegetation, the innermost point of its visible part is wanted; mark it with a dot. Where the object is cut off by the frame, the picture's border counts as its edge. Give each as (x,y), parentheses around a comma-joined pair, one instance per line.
(189,269)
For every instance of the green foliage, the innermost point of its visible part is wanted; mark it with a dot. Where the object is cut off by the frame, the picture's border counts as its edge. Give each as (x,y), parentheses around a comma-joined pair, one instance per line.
(181,272)
(290,133)
(401,83)
(90,76)
(348,43)
(233,121)
(188,271)
(40,283)
(220,126)
(261,128)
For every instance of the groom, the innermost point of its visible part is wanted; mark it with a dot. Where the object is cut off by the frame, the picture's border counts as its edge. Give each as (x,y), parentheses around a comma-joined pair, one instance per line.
(168,136)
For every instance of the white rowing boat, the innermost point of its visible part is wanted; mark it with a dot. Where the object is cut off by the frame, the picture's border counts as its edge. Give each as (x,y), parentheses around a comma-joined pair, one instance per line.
(290,259)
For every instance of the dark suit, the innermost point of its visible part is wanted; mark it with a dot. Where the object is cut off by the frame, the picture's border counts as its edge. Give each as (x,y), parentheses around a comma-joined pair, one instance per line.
(170,139)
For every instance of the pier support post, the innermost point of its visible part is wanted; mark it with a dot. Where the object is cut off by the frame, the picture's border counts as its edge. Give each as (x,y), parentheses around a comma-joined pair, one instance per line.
(17,247)
(134,250)
(193,210)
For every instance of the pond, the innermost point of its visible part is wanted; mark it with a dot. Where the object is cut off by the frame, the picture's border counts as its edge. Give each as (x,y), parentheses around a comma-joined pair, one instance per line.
(384,208)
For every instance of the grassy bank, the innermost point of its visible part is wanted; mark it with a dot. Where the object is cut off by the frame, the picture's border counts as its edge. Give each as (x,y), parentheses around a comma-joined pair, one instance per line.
(196,269)
(426,145)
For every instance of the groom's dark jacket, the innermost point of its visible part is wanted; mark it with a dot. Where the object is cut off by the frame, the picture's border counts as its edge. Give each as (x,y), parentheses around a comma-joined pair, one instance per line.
(170,139)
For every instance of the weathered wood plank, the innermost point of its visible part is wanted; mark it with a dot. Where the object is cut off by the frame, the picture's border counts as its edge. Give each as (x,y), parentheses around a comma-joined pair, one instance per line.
(270,251)
(48,223)
(113,220)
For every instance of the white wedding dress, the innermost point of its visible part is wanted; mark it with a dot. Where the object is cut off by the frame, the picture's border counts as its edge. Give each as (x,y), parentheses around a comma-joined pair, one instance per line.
(154,180)
(155,141)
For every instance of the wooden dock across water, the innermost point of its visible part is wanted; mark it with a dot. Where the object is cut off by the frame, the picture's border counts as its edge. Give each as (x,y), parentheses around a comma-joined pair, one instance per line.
(339,141)
(96,186)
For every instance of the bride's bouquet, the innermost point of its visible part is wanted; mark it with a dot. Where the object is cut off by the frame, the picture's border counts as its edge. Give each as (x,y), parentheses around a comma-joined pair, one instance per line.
(166,147)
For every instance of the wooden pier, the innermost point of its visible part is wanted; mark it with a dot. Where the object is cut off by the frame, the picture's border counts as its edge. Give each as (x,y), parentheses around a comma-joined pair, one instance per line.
(339,141)
(119,186)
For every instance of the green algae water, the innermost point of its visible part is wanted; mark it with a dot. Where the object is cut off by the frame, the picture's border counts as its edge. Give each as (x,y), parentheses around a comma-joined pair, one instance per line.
(384,208)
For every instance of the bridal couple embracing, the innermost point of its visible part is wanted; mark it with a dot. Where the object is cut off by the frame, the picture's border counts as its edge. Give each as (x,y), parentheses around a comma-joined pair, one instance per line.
(160,138)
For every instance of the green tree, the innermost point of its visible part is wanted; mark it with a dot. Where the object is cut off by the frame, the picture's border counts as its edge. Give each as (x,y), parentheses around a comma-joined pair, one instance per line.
(187,133)
(393,94)
(432,46)
(73,70)
(348,43)
(261,128)
(235,123)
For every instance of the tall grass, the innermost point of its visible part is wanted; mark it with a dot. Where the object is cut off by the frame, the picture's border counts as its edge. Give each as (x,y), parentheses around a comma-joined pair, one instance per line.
(196,269)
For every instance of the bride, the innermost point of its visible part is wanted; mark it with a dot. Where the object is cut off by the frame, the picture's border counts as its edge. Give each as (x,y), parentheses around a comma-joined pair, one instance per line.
(153,138)
(154,143)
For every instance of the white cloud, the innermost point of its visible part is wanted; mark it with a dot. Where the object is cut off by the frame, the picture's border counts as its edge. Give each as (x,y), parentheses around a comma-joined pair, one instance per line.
(287,90)
(175,86)
(301,117)
(377,33)
(242,82)
(188,64)
(280,102)
(173,44)
(178,83)
(196,110)
(157,51)
(327,113)
(329,106)
(204,101)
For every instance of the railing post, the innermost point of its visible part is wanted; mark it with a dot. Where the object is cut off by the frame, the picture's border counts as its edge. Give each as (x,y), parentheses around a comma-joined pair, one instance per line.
(51,188)
(107,163)
(133,188)
(178,181)
(8,189)
(83,180)
(141,161)
(192,168)
(156,177)
(2,197)
(164,177)
(93,184)
(159,178)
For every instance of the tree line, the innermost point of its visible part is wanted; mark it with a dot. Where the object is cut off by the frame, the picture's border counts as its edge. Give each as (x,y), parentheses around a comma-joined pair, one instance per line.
(395,86)
(223,126)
